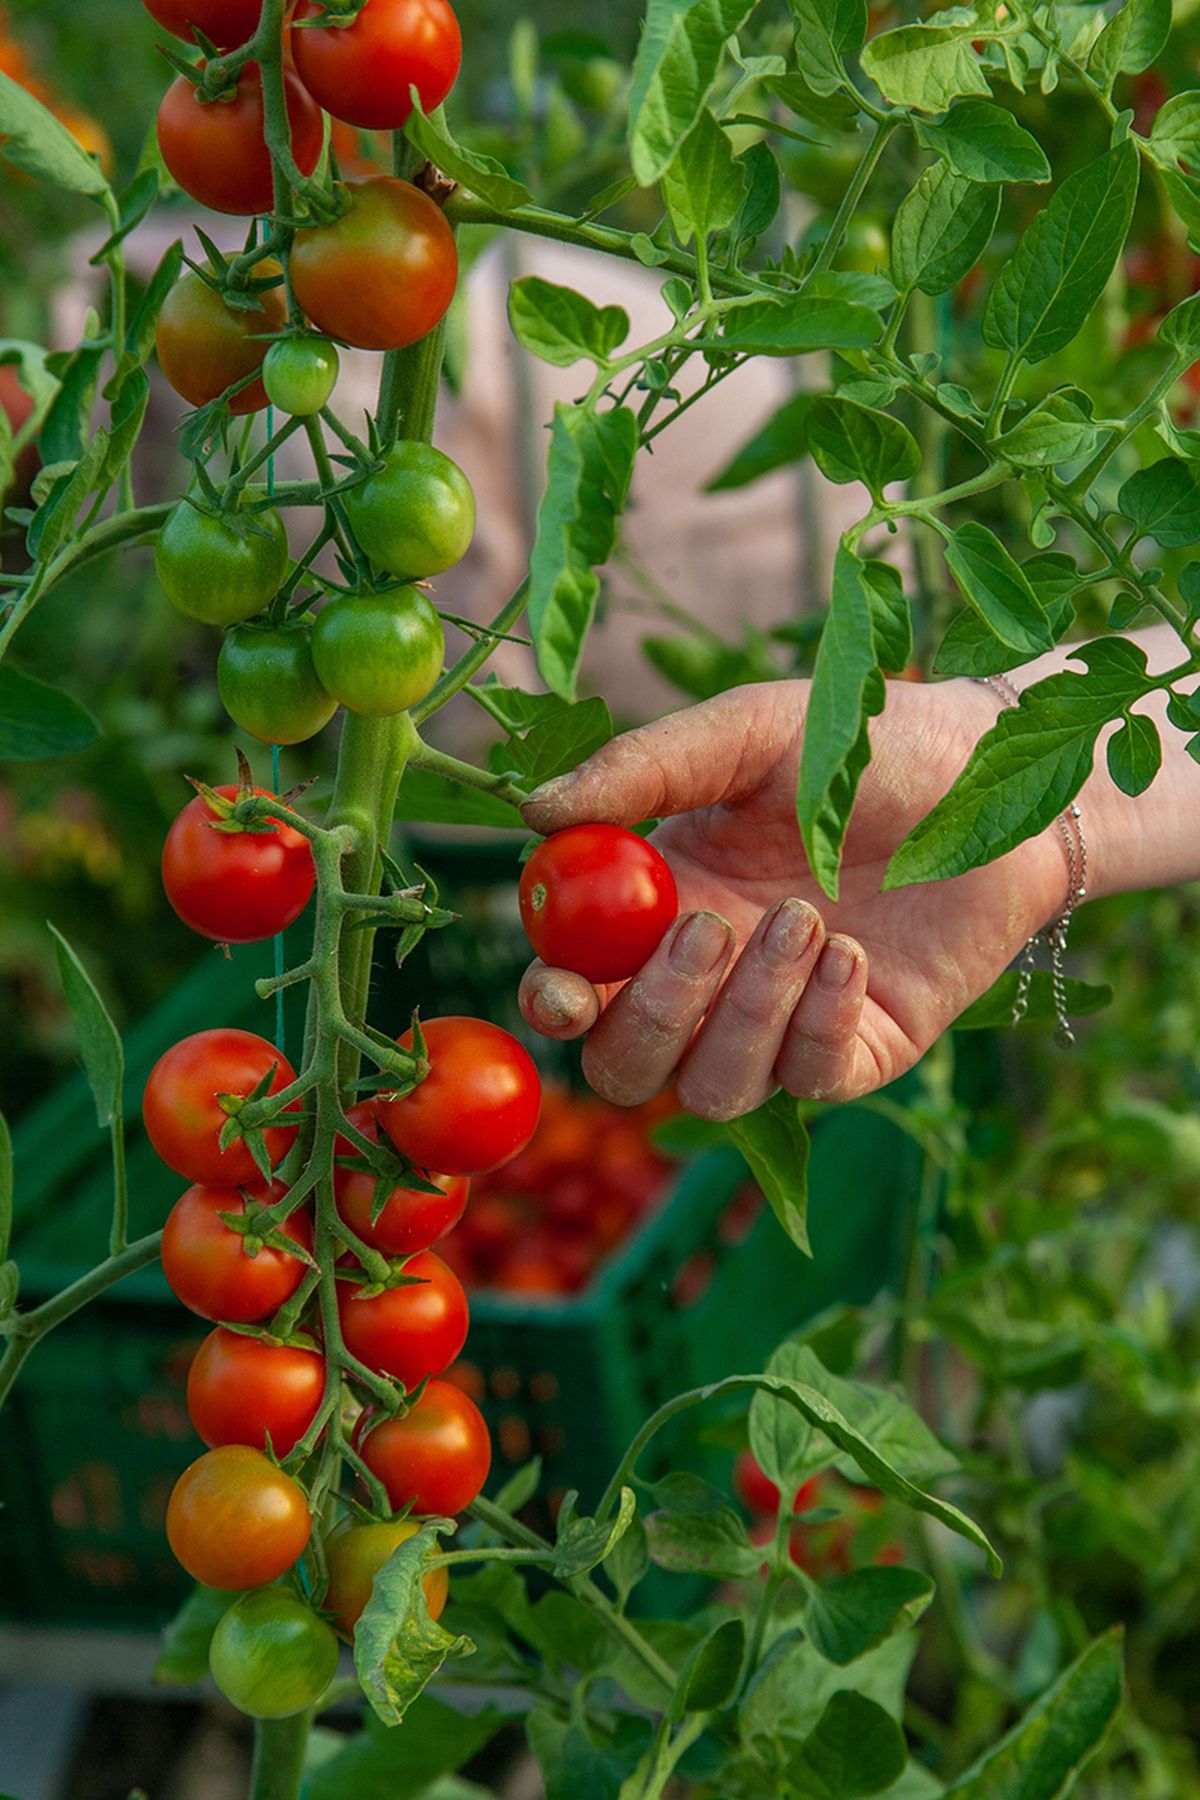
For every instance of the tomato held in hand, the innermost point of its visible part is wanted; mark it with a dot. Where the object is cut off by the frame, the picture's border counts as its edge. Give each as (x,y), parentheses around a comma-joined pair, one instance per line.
(378,654)
(478,1105)
(411,1220)
(208,1267)
(184,1119)
(242,1390)
(220,568)
(597,899)
(271,1655)
(300,374)
(382,275)
(216,150)
(436,1458)
(407,1332)
(415,515)
(354,1555)
(235,887)
(225,23)
(205,346)
(269,685)
(236,1521)
(361,71)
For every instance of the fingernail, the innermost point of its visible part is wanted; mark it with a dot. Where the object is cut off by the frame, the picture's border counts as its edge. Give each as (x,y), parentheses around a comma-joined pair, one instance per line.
(550,791)
(790,932)
(836,966)
(700,944)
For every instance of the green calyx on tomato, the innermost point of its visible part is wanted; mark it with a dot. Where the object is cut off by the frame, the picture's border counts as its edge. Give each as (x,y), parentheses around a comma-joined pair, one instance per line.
(271,1655)
(299,375)
(379,653)
(414,515)
(268,683)
(220,567)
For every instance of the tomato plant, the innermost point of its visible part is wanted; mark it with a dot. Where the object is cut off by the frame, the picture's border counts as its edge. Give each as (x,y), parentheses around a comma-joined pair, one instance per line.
(378,653)
(206,346)
(217,1271)
(412,1331)
(247,1390)
(436,1458)
(235,886)
(216,149)
(382,276)
(271,1655)
(268,682)
(478,1105)
(182,1104)
(235,1521)
(415,514)
(597,899)
(361,69)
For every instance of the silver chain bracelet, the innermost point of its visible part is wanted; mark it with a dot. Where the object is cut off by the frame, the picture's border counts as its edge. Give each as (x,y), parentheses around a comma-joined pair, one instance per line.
(1054,935)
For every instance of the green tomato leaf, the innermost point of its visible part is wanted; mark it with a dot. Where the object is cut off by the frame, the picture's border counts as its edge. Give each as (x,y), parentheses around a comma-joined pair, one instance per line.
(942,228)
(1043,1755)
(856,1749)
(764,193)
(801,323)
(847,690)
(782,440)
(98,1038)
(850,442)
(774,1141)
(514,708)
(1135,754)
(1061,265)
(561,326)
(983,142)
(587,480)
(993,1011)
(679,57)
(628,1560)
(559,743)
(705,185)
(1181,327)
(1058,429)
(61,437)
(128,410)
(708,1679)
(37,720)
(1025,770)
(58,512)
(1163,500)
(827,31)
(830,112)
(849,1614)
(998,589)
(1133,39)
(891,616)
(925,66)
(583,1544)
(1175,134)
(398,1648)
(377,1763)
(971,647)
(427,799)
(34,140)
(183,1659)
(713,1544)
(482,176)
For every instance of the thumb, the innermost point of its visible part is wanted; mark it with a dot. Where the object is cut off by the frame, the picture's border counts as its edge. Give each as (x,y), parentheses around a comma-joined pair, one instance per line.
(718,751)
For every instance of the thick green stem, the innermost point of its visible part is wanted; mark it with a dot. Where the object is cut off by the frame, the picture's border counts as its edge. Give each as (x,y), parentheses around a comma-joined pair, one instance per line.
(279,1747)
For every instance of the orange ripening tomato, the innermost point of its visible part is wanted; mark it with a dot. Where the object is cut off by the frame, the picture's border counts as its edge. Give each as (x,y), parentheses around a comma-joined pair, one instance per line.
(205,346)
(381,276)
(354,1555)
(236,1521)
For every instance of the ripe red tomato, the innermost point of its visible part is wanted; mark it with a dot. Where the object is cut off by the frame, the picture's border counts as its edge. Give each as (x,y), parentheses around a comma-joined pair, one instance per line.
(410,1220)
(236,1521)
(17,406)
(226,23)
(235,887)
(407,1332)
(354,1555)
(205,346)
(207,1267)
(184,1118)
(758,1493)
(383,274)
(216,151)
(475,1109)
(436,1458)
(241,1390)
(597,899)
(361,70)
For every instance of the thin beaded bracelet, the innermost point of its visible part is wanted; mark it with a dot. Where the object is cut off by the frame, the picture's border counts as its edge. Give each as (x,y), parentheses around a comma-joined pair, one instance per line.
(1054,935)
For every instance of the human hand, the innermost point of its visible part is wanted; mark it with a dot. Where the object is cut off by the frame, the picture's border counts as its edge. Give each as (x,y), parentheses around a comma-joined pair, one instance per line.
(762,982)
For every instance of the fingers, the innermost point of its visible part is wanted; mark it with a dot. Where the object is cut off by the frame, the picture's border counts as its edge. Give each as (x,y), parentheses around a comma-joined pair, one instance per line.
(632,1051)
(557,1003)
(822,1052)
(730,1069)
(716,751)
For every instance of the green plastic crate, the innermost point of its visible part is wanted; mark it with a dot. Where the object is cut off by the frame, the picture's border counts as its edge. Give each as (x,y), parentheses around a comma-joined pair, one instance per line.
(97,1431)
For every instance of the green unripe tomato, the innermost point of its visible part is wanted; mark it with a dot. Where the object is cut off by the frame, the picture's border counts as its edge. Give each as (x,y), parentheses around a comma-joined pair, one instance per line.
(268,684)
(414,516)
(220,568)
(299,374)
(379,653)
(271,1655)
